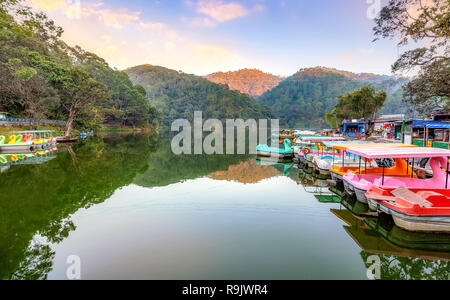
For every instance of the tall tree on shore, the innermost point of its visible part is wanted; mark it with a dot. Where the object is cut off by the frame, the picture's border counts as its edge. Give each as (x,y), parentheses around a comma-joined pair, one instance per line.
(363,103)
(80,92)
(426,22)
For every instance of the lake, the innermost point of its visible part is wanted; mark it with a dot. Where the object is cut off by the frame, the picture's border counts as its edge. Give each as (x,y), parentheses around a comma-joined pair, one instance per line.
(128,208)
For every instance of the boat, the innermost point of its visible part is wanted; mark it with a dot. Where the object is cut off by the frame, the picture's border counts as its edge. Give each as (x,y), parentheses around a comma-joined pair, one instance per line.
(368,167)
(66,139)
(28,141)
(16,143)
(311,145)
(85,135)
(416,210)
(283,135)
(278,153)
(359,184)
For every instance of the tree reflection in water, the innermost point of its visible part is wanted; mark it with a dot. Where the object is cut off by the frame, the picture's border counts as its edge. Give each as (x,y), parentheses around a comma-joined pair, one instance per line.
(39,200)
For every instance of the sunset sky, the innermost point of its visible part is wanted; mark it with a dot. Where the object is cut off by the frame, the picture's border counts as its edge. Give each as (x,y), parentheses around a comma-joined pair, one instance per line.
(205,36)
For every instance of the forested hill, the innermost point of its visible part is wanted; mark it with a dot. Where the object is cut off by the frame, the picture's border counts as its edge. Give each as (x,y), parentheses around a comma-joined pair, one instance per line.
(178,95)
(247,81)
(301,100)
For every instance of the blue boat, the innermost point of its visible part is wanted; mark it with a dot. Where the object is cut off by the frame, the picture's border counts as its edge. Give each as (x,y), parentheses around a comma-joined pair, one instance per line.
(279,153)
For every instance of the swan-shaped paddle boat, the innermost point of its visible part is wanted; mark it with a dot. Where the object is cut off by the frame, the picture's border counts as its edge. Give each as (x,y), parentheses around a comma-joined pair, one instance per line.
(285,153)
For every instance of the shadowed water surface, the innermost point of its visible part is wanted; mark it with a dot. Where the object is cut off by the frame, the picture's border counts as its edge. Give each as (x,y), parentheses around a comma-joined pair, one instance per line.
(130,209)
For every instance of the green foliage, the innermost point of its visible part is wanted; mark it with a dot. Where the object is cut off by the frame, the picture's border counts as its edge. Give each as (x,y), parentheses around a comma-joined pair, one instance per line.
(360,104)
(84,176)
(424,23)
(25,73)
(331,119)
(42,77)
(178,95)
(302,100)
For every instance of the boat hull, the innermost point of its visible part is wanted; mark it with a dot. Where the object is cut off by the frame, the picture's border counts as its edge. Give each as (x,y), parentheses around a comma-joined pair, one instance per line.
(437,224)
(321,173)
(349,188)
(360,195)
(17,148)
(66,140)
(336,177)
(283,156)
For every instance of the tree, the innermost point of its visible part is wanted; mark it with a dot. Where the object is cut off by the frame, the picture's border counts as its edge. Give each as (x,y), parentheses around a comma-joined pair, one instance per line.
(80,92)
(426,21)
(331,119)
(39,76)
(363,103)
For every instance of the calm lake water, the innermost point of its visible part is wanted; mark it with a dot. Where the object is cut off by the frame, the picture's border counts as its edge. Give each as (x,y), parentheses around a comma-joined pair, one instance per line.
(130,209)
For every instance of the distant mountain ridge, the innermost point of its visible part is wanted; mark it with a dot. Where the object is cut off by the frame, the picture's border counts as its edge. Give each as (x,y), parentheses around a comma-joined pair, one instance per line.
(299,101)
(177,95)
(252,82)
(302,99)
(367,77)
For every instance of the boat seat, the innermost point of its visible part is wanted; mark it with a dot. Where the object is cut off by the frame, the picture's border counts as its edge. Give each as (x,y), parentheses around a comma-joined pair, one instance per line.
(365,182)
(430,195)
(412,197)
(378,191)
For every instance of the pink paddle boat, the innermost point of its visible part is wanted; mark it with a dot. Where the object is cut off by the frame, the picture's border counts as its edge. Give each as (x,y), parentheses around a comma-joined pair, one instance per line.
(359,184)
(316,139)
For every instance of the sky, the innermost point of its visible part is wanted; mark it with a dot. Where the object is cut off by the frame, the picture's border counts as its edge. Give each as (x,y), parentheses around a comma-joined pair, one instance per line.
(205,36)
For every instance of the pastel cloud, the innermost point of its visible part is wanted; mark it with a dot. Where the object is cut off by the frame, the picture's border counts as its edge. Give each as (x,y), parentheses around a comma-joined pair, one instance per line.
(220,11)
(48,4)
(125,38)
(210,51)
(113,18)
(200,22)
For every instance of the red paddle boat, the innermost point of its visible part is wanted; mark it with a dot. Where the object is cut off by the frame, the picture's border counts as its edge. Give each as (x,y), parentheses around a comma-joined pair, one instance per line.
(422,210)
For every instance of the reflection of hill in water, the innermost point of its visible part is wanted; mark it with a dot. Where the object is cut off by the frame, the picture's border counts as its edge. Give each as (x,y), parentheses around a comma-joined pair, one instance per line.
(246,172)
(165,168)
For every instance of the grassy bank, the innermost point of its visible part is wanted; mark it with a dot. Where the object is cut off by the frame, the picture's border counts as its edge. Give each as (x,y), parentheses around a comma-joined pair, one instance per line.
(125,130)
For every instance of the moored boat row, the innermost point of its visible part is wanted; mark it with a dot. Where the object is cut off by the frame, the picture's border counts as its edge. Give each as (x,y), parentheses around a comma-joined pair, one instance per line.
(26,142)
(409,183)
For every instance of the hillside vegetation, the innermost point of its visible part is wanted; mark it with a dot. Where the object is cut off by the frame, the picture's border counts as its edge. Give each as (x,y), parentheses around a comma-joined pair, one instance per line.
(247,81)
(301,100)
(41,77)
(178,95)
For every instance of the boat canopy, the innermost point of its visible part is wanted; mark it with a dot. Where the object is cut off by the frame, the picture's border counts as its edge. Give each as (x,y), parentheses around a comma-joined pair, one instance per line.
(36,133)
(331,144)
(400,152)
(322,139)
(304,132)
(346,147)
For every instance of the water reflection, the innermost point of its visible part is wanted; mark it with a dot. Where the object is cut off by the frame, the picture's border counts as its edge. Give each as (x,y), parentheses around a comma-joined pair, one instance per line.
(234,216)
(247,172)
(38,200)
(397,263)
